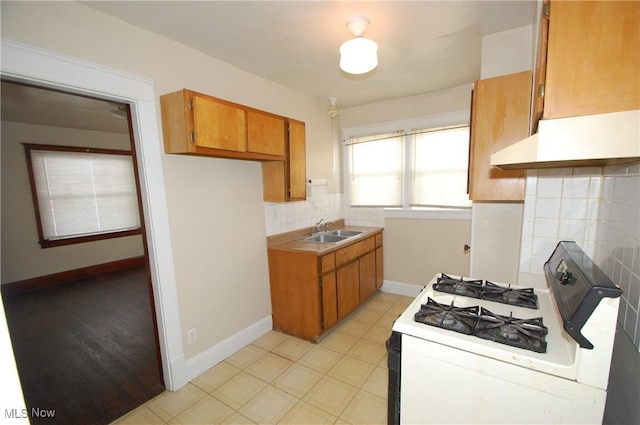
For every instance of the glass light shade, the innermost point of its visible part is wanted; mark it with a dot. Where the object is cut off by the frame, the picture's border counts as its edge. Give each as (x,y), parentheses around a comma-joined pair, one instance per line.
(358,55)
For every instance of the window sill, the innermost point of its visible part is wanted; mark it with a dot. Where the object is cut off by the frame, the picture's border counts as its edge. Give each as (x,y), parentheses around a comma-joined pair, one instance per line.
(429,213)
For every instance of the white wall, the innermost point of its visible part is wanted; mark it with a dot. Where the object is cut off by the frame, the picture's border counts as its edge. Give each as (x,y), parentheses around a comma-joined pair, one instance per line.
(435,103)
(415,250)
(215,206)
(22,257)
(507,52)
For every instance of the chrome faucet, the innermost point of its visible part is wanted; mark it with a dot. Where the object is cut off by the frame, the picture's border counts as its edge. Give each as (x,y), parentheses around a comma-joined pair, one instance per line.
(318,225)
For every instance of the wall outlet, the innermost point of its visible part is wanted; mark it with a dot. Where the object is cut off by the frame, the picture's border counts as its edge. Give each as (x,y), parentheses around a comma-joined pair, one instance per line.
(192,336)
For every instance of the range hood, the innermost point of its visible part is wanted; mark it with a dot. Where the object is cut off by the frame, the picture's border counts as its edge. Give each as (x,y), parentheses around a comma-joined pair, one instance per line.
(590,140)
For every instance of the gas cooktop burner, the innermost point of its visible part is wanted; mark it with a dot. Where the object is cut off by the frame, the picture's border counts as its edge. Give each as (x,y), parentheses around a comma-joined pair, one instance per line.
(459,319)
(522,333)
(458,286)
(528,334)
(522,297)
(485,290)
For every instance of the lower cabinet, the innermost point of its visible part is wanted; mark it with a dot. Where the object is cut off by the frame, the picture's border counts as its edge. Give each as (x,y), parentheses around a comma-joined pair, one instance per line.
(348,282)
(329,300)
(310,293)
(379,268)
(367,275)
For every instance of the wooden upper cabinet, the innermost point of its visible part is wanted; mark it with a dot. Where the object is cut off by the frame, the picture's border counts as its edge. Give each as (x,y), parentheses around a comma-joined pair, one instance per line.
(218,125)
(540,71)
(297,162)
(197,124)
(286,180)
(592,63)
(500,117)
(266,133)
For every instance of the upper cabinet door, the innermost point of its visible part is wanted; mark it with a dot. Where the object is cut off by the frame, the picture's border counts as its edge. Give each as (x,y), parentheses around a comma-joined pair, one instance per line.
(219,125)
(540,71)
(500,111)
(593,59)
(297,161)
(266,133)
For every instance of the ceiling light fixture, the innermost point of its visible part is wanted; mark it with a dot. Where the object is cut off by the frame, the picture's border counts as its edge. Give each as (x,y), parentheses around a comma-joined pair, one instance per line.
(358,55)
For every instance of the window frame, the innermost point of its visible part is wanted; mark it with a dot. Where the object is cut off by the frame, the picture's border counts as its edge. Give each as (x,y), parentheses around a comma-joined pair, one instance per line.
(431,122)
(49,243)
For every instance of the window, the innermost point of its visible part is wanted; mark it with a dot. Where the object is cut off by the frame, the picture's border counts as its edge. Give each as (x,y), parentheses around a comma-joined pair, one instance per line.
(375,168)
(82,194)
(439,162)
(409,169)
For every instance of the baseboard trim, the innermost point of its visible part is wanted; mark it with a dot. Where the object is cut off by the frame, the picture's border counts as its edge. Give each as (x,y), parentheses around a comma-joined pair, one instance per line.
(401,288)
(36,283)
(205,360)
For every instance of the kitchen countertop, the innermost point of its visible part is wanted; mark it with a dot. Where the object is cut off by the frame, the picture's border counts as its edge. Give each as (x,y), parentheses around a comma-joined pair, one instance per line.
(289,241)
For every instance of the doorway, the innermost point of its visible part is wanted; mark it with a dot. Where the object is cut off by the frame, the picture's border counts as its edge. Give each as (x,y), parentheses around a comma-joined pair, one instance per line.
(23,63)
(88,350)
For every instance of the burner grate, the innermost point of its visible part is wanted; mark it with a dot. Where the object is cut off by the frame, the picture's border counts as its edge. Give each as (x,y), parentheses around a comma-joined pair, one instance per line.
(522,297)
(485,290)
(459,319)
(522,333)
(528,334)
(458,286)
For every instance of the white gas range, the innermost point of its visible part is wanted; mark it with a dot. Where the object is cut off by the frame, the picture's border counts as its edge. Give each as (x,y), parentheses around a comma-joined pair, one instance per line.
(473,351)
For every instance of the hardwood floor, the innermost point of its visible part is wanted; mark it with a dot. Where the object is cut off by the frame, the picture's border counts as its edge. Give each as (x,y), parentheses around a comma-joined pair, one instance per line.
(86,349)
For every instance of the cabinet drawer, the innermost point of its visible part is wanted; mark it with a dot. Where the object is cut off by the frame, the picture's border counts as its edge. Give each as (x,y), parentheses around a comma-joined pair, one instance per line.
(327,263)
(378,240)
(354,251)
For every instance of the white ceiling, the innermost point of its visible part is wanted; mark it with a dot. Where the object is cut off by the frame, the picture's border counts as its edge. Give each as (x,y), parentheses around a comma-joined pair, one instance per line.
(34,105)
(424,46)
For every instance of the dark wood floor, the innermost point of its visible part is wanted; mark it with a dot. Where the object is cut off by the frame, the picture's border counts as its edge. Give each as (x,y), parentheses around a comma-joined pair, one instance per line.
(86,349)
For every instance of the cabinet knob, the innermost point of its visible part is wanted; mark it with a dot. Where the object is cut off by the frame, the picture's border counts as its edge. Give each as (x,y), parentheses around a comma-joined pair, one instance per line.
(467,248)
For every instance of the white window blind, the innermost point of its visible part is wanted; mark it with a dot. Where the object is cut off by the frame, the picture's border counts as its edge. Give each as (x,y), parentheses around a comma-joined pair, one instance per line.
(82,194)
(375,170)
(411,168)
(439,162)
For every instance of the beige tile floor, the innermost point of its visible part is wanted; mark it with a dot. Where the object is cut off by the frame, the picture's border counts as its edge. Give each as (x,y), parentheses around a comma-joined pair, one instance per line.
(279,379)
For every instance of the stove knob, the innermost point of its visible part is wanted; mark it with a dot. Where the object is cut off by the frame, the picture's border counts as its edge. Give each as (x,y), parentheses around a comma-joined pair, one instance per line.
(565,278)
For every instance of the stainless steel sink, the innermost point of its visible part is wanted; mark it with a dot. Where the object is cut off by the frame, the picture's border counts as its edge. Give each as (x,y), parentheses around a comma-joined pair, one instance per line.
(342,232)
(331,236)
(324,238)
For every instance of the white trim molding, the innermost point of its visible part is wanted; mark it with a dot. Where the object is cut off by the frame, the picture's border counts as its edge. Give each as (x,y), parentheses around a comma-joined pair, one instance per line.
(205,360)
(24,63)
(429,213)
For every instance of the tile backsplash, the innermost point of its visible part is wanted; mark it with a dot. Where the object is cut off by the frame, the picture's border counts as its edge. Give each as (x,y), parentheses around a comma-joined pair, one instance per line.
(599,208)
(285,217)
(560,204)
(617,249)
